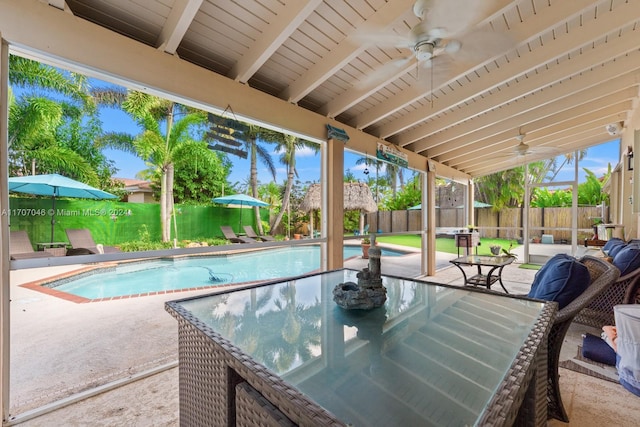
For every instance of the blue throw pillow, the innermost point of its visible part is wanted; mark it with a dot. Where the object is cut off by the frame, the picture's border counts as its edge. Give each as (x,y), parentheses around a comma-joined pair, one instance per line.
(627,259)
(540,274)
(562,281)
(612,242)
(615,248)
(547,266)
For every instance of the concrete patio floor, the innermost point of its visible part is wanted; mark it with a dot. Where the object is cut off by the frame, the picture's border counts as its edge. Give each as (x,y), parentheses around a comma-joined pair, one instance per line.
(60,342)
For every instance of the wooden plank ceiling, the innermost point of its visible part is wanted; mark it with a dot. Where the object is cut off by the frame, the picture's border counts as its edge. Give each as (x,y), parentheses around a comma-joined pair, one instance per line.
(559,75)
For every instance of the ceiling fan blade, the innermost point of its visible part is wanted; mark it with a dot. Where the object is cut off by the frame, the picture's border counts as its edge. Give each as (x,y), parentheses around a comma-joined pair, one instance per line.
(478,46)
(456,16)
(379,38)
(385,72)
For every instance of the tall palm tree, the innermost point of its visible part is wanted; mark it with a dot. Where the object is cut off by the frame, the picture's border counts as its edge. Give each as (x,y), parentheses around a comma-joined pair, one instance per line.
(154,146)
(567,159)
(394,174)
(271,193)
(253,134)
(288,146)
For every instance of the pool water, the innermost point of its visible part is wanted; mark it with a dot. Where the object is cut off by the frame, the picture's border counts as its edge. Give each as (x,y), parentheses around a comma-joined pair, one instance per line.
(196,272)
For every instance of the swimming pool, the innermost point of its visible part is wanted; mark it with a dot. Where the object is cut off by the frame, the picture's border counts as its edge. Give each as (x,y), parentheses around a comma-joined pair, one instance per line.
(172,274)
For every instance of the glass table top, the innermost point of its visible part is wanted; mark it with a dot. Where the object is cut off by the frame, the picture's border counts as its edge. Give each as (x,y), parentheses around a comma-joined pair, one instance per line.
(432,355)
(486,260)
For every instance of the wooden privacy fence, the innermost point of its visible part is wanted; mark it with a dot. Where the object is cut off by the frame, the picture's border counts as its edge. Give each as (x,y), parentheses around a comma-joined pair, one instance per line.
(506,223)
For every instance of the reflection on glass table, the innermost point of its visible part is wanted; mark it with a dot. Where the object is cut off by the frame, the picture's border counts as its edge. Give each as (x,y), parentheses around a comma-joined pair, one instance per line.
(432,355)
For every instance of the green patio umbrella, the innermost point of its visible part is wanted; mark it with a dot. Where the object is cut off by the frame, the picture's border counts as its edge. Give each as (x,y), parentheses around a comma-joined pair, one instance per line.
(240,200)
(54,185)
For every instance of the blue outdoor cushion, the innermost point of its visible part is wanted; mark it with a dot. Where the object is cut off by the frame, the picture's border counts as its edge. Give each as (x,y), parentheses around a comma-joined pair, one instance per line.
(595,348)
(615,248)
(561,279)
(612,242)
(627,259)
(547,266)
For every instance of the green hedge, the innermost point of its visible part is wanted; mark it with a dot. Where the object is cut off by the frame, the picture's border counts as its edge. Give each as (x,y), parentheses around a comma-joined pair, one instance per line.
(112,222)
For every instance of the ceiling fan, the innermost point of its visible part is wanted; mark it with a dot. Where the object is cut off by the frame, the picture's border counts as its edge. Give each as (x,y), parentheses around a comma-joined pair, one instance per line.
(445,33)
(523,149)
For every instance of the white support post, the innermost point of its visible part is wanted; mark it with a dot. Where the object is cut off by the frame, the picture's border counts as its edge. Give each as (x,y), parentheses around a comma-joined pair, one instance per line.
(5,329)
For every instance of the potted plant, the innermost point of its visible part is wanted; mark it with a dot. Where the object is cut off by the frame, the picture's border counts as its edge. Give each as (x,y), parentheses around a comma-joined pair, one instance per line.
(365,243)
(507,252)
(471,227)
(495,249)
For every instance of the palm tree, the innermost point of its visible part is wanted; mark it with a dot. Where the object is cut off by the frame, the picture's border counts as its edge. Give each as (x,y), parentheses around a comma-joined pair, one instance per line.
(253,134)
(567,159)
(271,193)
(26,73)
(37,137)
(154,146)
(288,146)
(393,175)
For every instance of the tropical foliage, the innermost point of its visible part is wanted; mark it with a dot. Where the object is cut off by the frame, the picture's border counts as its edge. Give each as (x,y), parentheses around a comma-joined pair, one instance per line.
(408,196)
(589,193)
(506,189)
(199,176)
(165,127)
(288,146)
(53,125)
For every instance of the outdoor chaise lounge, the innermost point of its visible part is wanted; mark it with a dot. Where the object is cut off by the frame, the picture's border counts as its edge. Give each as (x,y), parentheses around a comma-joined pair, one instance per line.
(20,246)
(231,236)
(253,235)
(80,238)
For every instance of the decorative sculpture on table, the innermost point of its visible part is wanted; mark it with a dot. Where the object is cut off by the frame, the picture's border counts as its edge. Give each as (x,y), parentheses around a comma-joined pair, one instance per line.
(368,293)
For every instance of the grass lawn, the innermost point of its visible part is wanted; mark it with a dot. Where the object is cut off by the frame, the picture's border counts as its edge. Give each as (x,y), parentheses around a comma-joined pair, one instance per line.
(445,244)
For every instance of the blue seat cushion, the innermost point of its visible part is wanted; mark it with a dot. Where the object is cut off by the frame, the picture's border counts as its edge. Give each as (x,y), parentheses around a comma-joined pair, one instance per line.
(595,348)
(627,259)
(561,279)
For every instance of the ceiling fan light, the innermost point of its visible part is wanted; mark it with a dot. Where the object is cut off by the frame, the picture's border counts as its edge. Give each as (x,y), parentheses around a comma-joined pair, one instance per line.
(424,51)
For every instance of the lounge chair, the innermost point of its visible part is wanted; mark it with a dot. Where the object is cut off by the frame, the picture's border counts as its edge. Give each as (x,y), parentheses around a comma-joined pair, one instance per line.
(20,246)
(231,236)
(80,238)
(252,234)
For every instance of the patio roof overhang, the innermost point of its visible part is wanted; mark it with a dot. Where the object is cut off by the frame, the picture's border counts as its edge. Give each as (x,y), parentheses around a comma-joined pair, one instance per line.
(570,69)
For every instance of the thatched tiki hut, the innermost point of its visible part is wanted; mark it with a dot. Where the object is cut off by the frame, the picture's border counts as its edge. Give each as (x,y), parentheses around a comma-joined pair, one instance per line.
(357,196)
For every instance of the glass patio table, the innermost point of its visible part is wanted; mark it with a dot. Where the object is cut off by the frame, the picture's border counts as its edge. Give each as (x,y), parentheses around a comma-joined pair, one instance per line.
(493,262)
(283,353)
